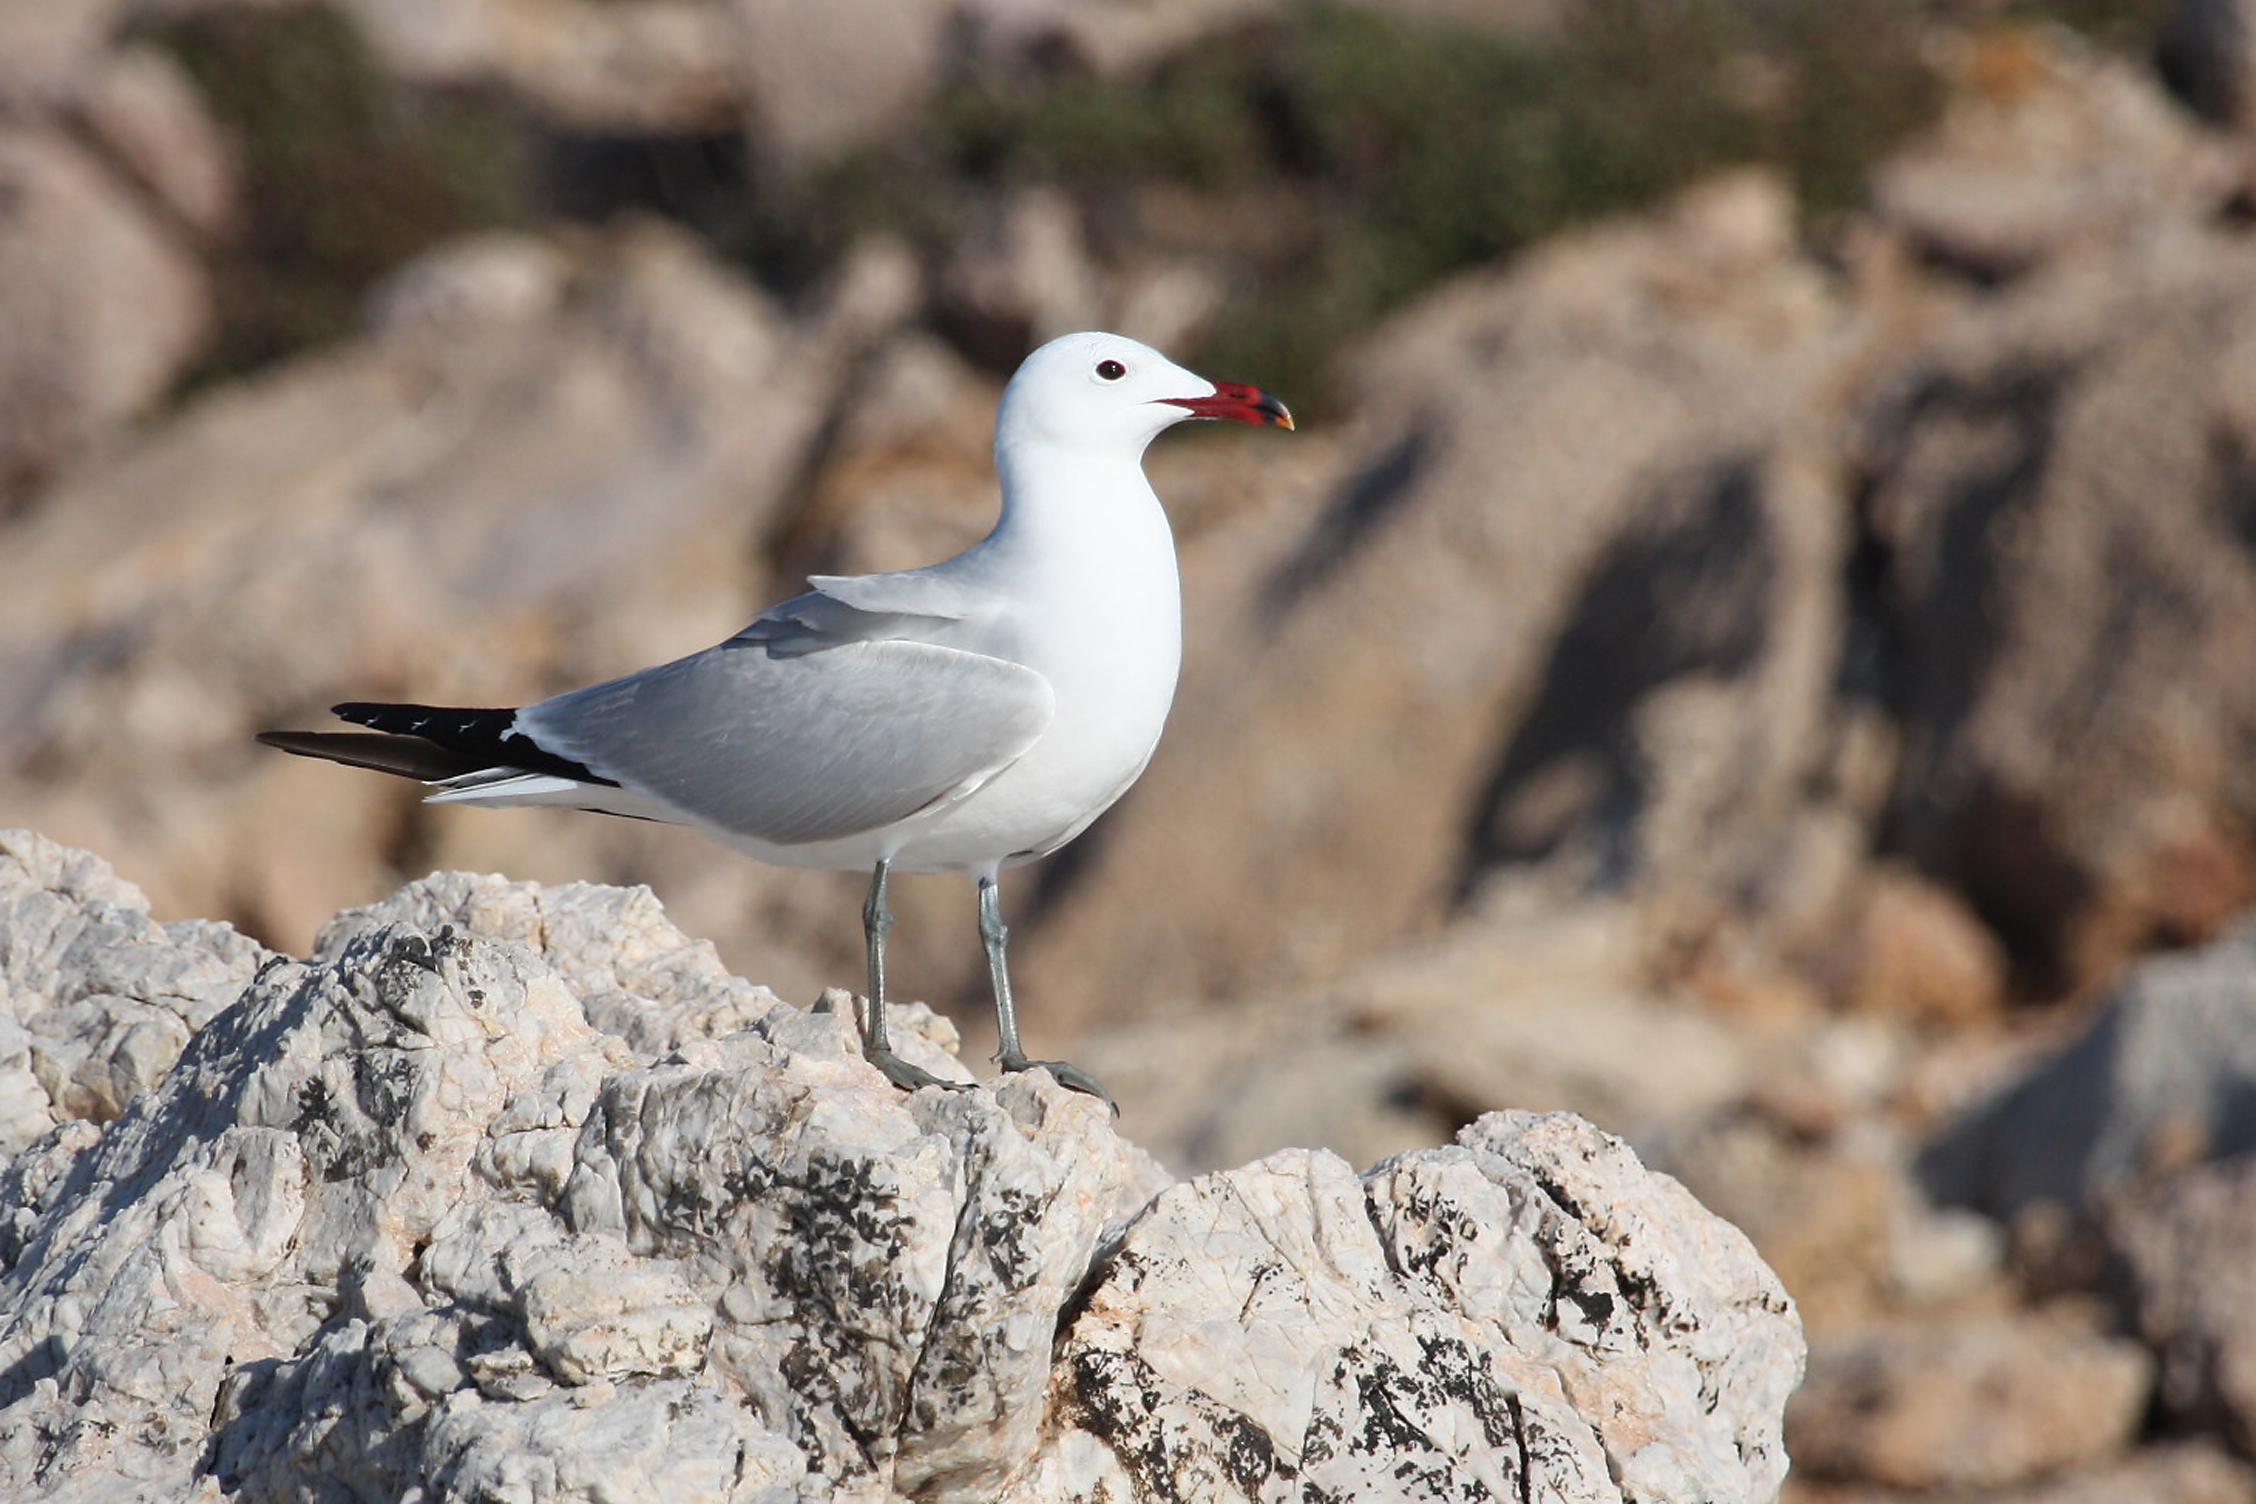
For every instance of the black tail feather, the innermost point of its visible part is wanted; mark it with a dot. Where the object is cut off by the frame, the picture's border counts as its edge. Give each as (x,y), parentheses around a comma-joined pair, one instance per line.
(408,756)
(430,742)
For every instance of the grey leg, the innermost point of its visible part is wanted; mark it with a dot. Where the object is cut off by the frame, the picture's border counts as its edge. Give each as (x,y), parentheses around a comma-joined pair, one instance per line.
(995,936)
(877,923)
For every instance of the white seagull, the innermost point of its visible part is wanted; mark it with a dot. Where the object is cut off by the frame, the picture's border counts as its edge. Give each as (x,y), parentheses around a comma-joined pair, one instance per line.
(968,716)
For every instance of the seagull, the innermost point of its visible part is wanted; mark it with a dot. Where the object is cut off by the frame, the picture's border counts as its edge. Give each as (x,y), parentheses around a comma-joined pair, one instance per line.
(968,716)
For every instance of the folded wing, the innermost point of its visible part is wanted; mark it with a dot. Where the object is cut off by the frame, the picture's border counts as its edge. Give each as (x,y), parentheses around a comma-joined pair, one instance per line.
(801,746)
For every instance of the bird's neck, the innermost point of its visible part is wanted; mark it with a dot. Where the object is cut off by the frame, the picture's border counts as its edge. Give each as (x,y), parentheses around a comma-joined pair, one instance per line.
(1087,566)
(1077,503)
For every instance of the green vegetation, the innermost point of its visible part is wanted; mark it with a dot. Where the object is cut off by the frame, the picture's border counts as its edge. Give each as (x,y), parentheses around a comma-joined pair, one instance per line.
(344,175)
(1333,160)
(1341,159)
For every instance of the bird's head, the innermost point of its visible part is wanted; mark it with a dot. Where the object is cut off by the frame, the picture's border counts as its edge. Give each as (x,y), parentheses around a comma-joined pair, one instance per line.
(1104,391)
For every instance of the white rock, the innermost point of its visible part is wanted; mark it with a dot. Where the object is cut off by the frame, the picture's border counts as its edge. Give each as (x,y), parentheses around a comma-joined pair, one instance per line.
(96,998)
(512,1193)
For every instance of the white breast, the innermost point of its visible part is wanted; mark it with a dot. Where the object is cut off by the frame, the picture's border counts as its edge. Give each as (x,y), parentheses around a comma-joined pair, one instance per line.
(1088,597)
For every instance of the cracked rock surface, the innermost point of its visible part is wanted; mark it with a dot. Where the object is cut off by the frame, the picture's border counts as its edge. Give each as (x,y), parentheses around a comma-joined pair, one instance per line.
(513,1193)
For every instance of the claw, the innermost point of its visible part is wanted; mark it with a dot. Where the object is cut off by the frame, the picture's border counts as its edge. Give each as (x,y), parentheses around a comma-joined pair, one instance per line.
(906,1076)
(1066,1074)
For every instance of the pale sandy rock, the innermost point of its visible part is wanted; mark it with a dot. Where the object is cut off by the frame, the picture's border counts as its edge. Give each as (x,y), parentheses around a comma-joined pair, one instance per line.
(2169,1472)
(825,78)
(96,998)
(1481,1322)
(153,125)
(47,48)
(1985,1403)
(99,307)
(656,66)
(2183,1246)
(2161,1077)
(1392,1055)
(1213,1089)
(405,1220)
(1552,1014)
(1023,276)
(1822,1219)
(906,477)
(2048,147)
(499,277)
(2055,483)
(1921,955)
(1025,271)
(2164,1472)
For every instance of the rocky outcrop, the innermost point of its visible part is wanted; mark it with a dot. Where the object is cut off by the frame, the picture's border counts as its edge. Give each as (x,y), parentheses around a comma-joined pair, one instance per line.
(96,998)
(78,248)
(2181,1247)
(113,179)
(515,1191)
(1973,1404)
(2164,1076)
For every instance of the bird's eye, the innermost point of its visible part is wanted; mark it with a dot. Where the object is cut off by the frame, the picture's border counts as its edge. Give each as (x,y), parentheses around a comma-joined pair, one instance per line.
(1111,370)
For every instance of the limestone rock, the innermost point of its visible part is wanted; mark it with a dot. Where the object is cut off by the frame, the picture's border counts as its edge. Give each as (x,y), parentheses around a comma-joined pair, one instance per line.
(46,49)
(823,78)
(1979,1404)
(2054,491)
(2165,1075)
(2048,148)
(1498,1320)
(2182,1245)
(143,109)
(96,998)
(513,1191)
(2170,1472)
(1022,276)
(655,67)
(99,307)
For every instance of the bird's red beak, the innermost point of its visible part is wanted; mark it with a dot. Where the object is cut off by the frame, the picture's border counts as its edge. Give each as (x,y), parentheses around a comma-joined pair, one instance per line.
(1234,399)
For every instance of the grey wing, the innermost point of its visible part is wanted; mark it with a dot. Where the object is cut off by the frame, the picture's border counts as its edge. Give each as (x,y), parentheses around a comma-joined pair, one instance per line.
(802,748)
(913,603)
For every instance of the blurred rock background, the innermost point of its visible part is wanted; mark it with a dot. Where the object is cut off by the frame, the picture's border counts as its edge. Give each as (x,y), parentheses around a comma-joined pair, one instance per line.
(1754,642)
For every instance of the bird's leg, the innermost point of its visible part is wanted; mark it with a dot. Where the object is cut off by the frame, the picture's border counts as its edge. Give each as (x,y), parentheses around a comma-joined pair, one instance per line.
(994,935)
(877,923)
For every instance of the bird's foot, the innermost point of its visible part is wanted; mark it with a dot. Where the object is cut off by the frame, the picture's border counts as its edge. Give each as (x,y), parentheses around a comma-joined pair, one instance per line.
(906,1076)
(1067,1075)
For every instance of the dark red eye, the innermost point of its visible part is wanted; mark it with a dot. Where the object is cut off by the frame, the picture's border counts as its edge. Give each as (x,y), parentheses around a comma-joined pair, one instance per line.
(1111,370)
